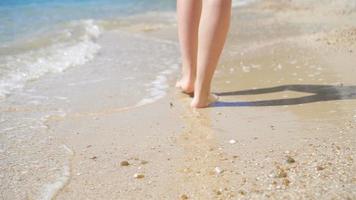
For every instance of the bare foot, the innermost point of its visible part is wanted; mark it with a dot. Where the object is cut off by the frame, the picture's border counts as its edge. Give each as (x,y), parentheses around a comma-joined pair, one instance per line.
(203,103)
(186,86)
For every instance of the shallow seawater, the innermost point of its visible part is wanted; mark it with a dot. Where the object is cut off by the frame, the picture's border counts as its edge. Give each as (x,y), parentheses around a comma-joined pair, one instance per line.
(22,17)
(38,37)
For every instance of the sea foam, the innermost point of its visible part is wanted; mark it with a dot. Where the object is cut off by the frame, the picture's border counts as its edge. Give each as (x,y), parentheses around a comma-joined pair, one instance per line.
(50,190)
(157,89)
(77,48)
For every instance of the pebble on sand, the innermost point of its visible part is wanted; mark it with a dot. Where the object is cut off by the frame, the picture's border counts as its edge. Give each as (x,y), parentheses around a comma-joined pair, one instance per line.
(242,192)
(138,176)
(143,162)
(183,197)
(290,160)
(218,170)
(124,163)
(219,191)
(286,182)
(232,141)
(281,173)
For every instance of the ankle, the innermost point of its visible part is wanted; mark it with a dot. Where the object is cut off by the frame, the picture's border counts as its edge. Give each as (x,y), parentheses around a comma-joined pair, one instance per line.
(198,102)
(188,79)
(189,71)
(200,91)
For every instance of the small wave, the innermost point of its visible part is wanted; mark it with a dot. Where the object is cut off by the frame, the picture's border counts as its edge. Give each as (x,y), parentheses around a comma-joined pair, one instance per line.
(158,87)
(50,190)
(75,46)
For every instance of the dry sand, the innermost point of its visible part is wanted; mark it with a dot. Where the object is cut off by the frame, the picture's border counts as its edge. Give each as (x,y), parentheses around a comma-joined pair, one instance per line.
(284,127)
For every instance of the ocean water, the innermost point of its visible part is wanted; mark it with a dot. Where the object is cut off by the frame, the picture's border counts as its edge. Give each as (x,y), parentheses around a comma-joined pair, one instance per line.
(41,36)
(22,17)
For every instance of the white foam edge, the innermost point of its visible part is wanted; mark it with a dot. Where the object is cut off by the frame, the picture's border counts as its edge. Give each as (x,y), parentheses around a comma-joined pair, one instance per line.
(158,87)
(50,190)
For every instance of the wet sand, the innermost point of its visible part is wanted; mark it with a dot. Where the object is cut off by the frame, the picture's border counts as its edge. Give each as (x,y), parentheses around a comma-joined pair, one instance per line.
(284,127)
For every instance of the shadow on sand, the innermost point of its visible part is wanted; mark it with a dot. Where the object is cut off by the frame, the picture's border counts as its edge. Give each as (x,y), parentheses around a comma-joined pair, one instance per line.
(318,93)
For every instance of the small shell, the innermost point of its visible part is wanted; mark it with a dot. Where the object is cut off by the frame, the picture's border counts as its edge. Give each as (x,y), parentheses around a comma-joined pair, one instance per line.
(232,141)
(218,170)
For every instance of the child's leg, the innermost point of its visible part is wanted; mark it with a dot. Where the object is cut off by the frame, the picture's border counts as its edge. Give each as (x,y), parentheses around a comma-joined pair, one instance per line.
(213,29)
(188,24)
